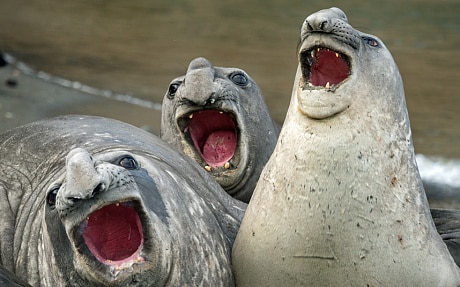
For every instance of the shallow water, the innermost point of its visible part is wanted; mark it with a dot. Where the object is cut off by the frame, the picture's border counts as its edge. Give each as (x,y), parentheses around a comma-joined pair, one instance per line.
(138,47)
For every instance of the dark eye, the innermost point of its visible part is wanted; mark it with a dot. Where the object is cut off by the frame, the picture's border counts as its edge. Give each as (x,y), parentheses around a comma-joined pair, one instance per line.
(240,79)
(51,196)
(128,162)
(173,89)
(371,41)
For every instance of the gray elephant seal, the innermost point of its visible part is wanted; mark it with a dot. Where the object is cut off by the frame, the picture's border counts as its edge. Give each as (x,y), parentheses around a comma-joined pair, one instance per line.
(219,118)
(448,225)
(340,202)
(89,201)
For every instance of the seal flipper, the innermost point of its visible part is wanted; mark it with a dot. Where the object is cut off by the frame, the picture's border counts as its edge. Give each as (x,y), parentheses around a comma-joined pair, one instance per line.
(447,223)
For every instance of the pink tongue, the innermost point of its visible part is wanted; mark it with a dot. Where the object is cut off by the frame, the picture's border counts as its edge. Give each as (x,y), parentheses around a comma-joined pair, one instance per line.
(214,136)
(219,147)
(113,233)
(328,68)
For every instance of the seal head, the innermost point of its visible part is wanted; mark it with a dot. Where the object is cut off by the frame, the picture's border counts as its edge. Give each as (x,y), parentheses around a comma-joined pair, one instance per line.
(219,118)
(329,52)
(99,202)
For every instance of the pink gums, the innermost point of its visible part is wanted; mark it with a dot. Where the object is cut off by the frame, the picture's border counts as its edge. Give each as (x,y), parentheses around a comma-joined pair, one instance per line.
(114,233)
(328,67)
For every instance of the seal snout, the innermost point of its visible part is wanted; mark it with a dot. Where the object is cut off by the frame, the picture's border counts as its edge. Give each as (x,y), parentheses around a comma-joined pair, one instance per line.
(324,59)
(199,87)
(83,180)
(323,21)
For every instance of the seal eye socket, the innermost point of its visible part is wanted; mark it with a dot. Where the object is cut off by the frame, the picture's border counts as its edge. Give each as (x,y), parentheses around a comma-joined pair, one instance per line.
(239,79)
(128,162)
(51,196)
(173,89)
(370,41)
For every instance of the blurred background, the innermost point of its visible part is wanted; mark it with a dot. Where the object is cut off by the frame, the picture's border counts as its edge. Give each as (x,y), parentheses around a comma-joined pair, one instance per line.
(133,49)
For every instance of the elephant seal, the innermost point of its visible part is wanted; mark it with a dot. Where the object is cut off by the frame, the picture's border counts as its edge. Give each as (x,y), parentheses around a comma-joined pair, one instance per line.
(447,223)
(341,202)
(219,118)
(89,201)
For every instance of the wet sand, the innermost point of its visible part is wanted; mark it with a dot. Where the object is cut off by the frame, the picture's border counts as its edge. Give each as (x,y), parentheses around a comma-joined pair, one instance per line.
(28,96)
(138,47)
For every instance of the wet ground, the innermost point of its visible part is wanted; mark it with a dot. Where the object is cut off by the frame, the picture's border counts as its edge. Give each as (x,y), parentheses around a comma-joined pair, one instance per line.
(136,48)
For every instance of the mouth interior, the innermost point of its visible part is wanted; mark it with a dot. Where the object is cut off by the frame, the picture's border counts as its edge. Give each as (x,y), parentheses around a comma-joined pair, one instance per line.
(114,233)
(324,67)
(214,136)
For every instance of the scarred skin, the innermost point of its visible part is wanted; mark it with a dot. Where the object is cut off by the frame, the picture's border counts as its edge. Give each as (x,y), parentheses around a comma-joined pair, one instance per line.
(228,91)
(341,202)
(55,173)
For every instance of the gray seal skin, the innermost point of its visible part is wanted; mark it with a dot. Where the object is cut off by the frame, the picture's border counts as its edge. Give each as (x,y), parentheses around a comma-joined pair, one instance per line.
(219,118)
(8,279)
(341,202)
(89,201)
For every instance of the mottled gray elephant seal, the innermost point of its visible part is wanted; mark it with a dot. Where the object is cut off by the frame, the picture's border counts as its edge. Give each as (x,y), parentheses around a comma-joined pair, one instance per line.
(89,201)
(341,202)
(218,117)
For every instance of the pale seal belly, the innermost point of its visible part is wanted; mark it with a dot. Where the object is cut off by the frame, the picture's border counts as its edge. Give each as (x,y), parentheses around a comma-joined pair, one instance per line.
(341,202)
(89,201)
(218,117)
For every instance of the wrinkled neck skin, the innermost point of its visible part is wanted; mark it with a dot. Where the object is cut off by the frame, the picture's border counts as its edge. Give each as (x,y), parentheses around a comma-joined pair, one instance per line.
(27,251)
(340,202)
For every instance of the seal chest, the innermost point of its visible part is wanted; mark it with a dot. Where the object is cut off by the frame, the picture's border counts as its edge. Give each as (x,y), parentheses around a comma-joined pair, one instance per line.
(340,202)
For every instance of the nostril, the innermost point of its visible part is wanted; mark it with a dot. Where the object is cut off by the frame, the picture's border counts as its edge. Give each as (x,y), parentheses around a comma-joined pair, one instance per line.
(74,200)
(318,23)
(99,188)
(323,25)
(211,100)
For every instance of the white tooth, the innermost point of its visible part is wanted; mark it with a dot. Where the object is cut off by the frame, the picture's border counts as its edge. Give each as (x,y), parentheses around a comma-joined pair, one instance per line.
(190,116)
(227,165)
(312,53)
(328,85)
(310,85)
(221,112)
(207,168)
(117,204)
(318,49)
(337,55)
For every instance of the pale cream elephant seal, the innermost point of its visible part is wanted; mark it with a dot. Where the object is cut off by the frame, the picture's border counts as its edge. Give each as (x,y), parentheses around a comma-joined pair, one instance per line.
(341,202)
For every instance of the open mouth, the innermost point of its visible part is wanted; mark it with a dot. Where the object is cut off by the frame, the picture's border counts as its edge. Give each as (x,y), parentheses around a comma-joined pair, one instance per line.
(214,136)
(323,67)
(113,234)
